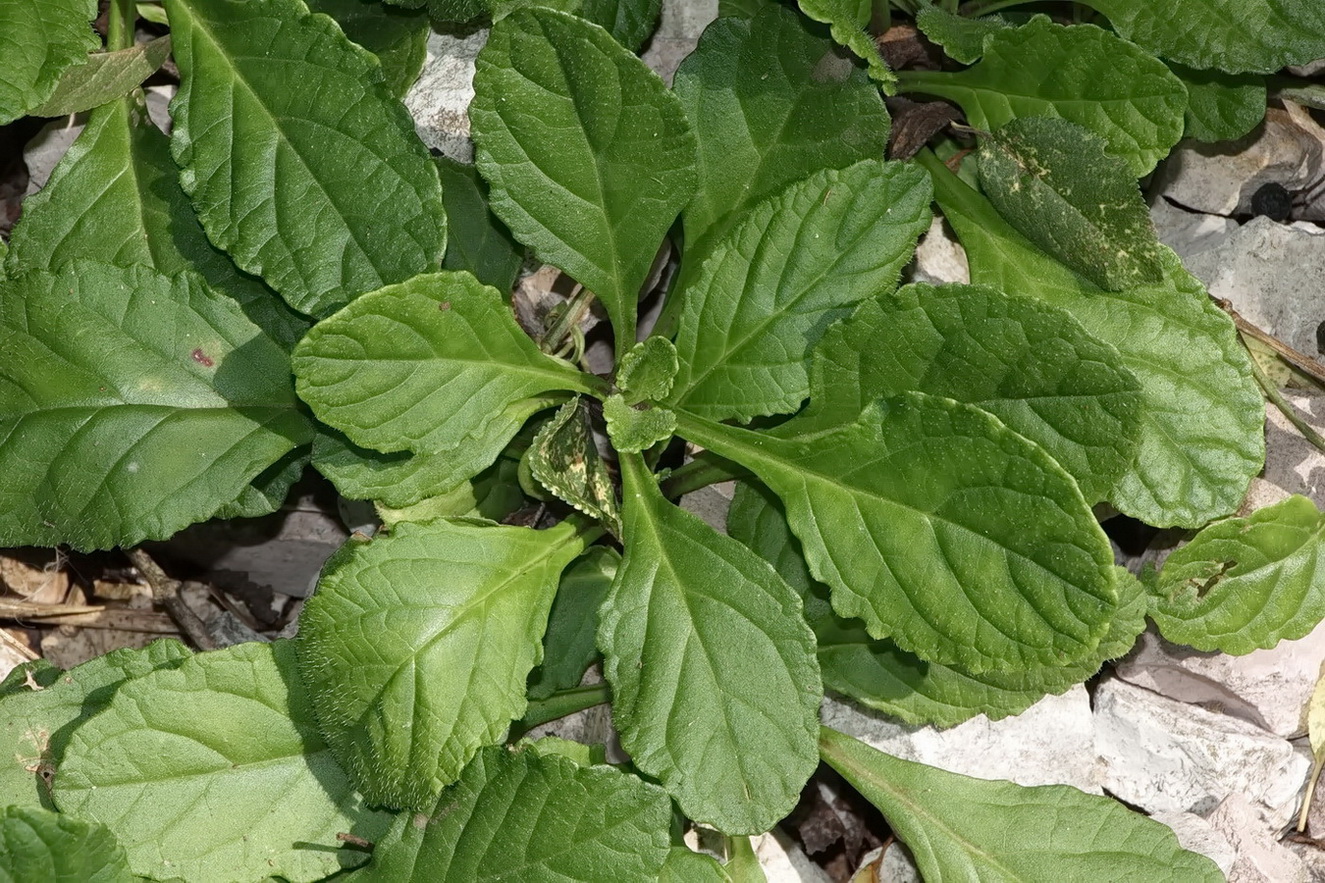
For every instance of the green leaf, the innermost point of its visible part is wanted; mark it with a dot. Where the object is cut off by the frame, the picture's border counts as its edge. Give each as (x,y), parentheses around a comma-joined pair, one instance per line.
(770,104)
(569,646)
(1081,73)
(398,37)
(478,242)
(39,845)
(686,866)
(105,77)
(564,458)
(577,752)
(630,22)
(1220,106)
(962,828)
(115,198)
(131,405)
(1202,418)
(939,527)
(879,675)
(1054,181)
(39,41)
(416,647)
(963,39)
(493,494)
(588,154)
(530,817)
(848,21)
(1029,364)
(793,265)
(635,428)
(1235,36)
(270,92)
(35,723)
(648,370)
(1246,583)
(715,689)
(266,493)
(428,366)
(232,729)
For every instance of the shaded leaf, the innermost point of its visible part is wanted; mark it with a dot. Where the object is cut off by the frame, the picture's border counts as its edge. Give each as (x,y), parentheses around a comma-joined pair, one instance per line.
(227,728)
(39,41)
(794,264)
(565,460)
(398,37)
(1220,106)
(105,77)
(715,689)
(416,647)
(132,405)
(941,528)
(962,38)
(848,21)
(588,154)
(1054,181)
(1245,583)
(525,816)
(35,723)
(428,366)
(569,646)
(115,198)
(963,828)
(477,242)
(1081,73)
(1029,364)
(630,22)
(770,104)
(493,494)
(40,845)
(1236,36)
(684,865)
(269,91)
(1202,415)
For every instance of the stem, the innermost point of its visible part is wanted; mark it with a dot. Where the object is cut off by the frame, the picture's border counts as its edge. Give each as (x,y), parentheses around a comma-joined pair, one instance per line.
(704,470)
(1272,393)
(560,704)
(1311,790)
(120,19)
(165,591)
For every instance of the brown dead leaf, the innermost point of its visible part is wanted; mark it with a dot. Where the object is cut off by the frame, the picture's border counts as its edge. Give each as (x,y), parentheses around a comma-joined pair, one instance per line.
(36,583)
(915,122)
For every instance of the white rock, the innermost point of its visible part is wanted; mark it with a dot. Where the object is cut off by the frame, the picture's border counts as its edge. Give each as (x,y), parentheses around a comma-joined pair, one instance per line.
(1196,834)
(939,257)
(1188,232)
(1312,856)
(895,865)
(1287,149)
(1261,859)
(1048,744)
(1268,688)
(45,149)
(711,503)
(1162,755)
(678,31)
(439,99)
(785,862)
(1270,273)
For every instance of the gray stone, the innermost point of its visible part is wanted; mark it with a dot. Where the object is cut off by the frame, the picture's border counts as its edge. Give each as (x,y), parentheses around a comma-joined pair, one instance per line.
(1188,232)
(1048,744)
(1268,688)
(1196,834)
(1294,465)
(939,257)
(1261,859)
(678,31)
(891,864)
(783,861)
(439,99)
(1163,755)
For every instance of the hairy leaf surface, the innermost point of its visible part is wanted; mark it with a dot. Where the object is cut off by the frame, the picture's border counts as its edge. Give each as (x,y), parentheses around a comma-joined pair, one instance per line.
(962,828)
(1080,73)
(131,405)
(232,729)
(630,22)
(39,41)
(38,844)
(962,38)
(1236,36)
(588,154)
(770,104)
(880,675)
(1245,583)
(635,428)
(115,198)
(715,688)
(416,647)
(1029,364)
(105,77)
(398,37)
(848,21)
(35,723)
(1055,182)
(939,527)
(300,162)
(1202,416)
(529,816)
(427,366)
(793,265)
